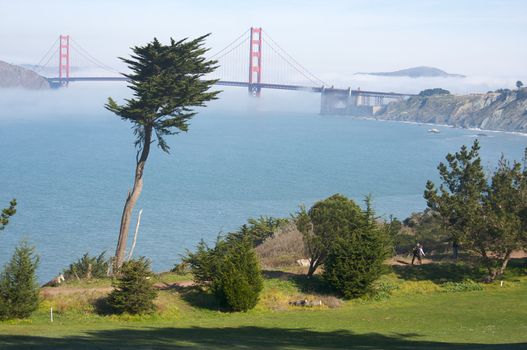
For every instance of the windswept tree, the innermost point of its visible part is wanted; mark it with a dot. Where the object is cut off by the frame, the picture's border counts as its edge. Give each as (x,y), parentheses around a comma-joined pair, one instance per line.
(7,213)
(489,218)
(168,82)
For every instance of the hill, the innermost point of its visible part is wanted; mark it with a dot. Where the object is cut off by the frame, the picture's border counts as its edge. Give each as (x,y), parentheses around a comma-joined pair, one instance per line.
(417,72)
(12,76)
(502,110)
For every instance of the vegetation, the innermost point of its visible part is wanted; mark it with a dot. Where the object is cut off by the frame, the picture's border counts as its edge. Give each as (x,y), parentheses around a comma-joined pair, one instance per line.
(134,291)
(284,248)
(7,213)
(432,92)
(355,258)
(260,229)
(519,84)
(231,271)
(88,267)
(324,223)
(488,219)
(19,291)
(167,81)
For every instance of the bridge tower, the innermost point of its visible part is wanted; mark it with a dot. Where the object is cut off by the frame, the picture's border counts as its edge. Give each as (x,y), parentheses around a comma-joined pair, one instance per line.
(255,62)
(64,60)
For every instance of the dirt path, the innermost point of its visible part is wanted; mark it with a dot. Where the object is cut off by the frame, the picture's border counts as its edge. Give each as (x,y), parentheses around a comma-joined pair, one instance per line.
(65,290)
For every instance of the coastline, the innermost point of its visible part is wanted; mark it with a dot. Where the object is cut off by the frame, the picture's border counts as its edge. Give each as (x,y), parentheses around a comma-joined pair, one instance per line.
(524,134)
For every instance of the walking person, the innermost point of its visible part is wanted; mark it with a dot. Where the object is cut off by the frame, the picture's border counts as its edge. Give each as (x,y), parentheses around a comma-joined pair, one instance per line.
(418,253)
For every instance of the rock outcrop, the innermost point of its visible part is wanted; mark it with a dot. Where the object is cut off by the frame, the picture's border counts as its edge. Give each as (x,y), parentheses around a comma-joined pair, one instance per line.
(503,110)
(12,76)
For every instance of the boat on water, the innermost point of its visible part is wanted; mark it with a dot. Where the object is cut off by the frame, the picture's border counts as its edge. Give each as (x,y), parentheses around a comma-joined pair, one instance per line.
(434,131)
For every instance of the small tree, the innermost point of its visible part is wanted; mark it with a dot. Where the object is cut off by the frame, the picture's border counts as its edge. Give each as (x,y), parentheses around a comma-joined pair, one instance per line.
(7,213)
(239,280)
(231,271)
(519,84)
(487,219)
(355,259)
(168,82)
(134,289)
(19,292)
(88,267)
(327,220)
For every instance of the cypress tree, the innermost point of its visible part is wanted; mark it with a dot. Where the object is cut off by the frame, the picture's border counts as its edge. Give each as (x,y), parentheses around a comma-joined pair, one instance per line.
(19,291)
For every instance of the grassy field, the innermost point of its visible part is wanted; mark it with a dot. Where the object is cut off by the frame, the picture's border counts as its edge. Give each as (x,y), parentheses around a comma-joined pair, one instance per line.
(427,307)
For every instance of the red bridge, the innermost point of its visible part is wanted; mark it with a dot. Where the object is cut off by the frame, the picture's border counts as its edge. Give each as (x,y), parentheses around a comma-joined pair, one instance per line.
(241,64)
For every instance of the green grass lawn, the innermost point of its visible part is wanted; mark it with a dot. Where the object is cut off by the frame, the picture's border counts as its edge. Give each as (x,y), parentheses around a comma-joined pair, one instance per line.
(419,314)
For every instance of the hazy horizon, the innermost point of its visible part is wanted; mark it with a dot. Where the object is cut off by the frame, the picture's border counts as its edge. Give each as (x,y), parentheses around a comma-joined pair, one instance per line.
(333,39)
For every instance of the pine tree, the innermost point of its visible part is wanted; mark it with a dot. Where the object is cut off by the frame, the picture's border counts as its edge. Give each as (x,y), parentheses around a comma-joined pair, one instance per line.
(134,291)
(19,291)
(7,213)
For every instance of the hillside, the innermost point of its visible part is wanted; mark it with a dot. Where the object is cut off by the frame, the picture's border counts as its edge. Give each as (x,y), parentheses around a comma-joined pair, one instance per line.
(417,72)
(503,110)
(12,76)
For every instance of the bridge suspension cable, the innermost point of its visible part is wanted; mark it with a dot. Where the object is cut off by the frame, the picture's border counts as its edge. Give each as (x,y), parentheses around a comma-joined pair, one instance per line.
(291,61)
(53,49)
(84,53)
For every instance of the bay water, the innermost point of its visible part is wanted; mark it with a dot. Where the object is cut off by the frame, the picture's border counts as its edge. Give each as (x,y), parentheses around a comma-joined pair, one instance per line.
(70,163)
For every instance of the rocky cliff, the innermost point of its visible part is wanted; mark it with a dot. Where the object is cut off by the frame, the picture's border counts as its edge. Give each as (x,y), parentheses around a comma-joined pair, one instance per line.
(503,110)
(12,76)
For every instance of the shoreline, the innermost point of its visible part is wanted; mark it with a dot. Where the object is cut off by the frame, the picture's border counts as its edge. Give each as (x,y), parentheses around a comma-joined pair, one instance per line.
(518,133)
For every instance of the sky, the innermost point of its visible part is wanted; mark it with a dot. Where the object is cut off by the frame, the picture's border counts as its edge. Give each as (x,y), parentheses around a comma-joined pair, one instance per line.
(483,39)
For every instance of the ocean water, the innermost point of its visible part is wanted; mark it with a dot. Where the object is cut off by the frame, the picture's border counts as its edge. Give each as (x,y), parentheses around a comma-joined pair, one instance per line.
(70,163)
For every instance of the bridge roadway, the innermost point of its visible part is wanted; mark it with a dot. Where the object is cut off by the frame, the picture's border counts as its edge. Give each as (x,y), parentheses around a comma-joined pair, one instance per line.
(317,89)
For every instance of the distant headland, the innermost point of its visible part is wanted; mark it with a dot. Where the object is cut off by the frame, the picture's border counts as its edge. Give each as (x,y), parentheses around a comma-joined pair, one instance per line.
(12,76)
(416,72)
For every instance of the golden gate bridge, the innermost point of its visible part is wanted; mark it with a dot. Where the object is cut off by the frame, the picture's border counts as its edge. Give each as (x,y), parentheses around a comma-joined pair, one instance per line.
(253,61)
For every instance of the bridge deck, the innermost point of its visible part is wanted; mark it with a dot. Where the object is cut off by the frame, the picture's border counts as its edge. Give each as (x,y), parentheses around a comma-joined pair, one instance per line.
(317,89)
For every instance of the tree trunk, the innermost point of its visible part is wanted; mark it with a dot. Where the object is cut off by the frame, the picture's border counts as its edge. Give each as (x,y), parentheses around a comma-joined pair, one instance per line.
(313,265)
(131,200)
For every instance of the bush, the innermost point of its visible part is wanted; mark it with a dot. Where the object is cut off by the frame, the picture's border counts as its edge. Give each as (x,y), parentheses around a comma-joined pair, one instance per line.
(231,271)
(88,267)
(355,262)
(134,291)
(465,286)
(19,291)
(435,91)
(284,248)
(239,280)
(258,230)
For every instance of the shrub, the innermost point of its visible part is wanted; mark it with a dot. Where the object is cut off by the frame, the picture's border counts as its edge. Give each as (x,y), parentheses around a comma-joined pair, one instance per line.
(88,267)
(324,223)
(435,91)
(19,292)
(355,262)
(230,270)
(239,280)
(355,257)
(284,248)
(260,229)
(134,291)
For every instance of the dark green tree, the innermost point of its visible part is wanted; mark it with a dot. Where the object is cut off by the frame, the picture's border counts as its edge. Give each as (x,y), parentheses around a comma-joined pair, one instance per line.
(355,258)
(168,82)
(134,291)
(7,213)
(19,291)
(487,219)
(506,217)
(327,220)
(519,84)
(238,281)
(231,271)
